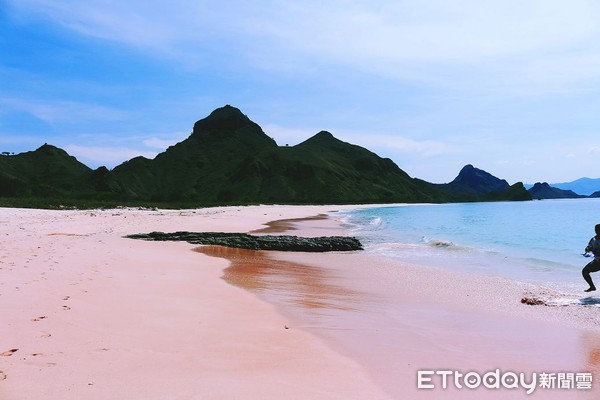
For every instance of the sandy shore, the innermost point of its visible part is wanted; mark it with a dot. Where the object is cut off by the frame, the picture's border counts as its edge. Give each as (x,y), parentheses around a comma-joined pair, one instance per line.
(87,314)
(91,315)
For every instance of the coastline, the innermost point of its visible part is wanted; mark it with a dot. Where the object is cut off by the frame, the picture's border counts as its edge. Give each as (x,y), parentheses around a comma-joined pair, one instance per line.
(94,315)
(396,318)
(437,320)
(90,314)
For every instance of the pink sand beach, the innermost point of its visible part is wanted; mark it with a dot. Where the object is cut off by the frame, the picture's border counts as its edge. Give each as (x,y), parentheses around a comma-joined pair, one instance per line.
(89,314)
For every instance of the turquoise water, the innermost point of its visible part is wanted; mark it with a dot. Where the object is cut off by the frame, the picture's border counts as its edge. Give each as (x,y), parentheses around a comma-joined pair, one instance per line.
(537,241)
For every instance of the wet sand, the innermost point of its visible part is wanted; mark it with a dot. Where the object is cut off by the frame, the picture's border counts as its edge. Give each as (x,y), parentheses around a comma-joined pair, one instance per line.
(396,319)
(89,314)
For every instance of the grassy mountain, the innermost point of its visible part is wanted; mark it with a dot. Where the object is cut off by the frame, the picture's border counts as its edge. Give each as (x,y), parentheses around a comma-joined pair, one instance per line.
(474,184)
(47,171)
(545,191)
(228,159)
(323,168)
(583,186)
(197,168)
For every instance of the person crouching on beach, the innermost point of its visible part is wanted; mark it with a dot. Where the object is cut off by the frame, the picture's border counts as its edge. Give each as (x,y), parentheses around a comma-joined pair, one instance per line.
(594,266)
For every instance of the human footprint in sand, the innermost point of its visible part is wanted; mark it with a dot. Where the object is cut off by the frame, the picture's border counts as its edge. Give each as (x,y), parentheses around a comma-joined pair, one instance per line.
(594,266)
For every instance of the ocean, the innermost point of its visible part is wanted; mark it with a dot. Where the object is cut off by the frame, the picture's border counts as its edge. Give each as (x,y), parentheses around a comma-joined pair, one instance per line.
(539,242)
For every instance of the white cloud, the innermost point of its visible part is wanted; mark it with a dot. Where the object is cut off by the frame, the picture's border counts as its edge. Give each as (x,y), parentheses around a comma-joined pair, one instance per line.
(427,40)
(594,149)
(19,140)
(463,66)
(111,151)
(62,112)
(108,156)
(143,24)
(400,144)
(165,141)
(432,30)
(371,141)
(286,135)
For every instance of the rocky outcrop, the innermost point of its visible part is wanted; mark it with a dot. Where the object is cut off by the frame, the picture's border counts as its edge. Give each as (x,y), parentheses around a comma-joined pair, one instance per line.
(255,242)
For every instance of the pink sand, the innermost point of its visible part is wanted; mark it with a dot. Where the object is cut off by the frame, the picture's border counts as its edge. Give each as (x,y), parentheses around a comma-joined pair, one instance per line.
(96,316)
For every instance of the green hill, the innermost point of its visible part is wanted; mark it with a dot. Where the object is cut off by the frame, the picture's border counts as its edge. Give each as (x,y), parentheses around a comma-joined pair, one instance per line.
(47,171)
(542,190)
(228,159)
(196,168)
(474,184)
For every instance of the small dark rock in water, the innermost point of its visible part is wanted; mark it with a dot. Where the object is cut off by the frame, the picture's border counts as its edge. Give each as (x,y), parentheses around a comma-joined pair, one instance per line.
(252,242)
(532,301)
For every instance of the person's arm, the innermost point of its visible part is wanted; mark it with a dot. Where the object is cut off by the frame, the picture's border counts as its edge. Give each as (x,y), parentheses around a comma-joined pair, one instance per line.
(588,248)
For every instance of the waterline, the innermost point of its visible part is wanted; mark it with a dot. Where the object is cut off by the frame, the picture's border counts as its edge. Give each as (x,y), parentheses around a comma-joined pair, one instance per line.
(538,241)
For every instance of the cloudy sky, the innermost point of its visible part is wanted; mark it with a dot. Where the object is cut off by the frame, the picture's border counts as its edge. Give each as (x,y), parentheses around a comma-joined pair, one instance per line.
(510,86)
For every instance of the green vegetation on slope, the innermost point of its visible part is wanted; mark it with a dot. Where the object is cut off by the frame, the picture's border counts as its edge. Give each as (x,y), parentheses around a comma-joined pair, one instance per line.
(227,159)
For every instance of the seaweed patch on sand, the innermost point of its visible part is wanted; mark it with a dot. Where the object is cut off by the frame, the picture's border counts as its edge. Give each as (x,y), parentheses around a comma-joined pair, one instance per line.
(252,242)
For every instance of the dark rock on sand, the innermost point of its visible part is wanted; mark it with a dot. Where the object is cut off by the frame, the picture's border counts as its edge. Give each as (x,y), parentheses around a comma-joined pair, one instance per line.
(264,242)
(533,301)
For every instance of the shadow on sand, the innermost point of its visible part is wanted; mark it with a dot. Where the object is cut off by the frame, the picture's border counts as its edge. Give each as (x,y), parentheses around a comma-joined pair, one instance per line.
(589,301)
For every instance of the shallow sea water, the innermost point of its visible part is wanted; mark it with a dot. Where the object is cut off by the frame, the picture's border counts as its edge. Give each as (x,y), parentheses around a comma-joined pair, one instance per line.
(539,242)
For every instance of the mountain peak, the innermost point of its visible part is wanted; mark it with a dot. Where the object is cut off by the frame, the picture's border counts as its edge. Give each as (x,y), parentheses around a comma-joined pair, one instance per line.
(543,190)
(476,182)
(226,118)
(227,123)
(540,185)
(49,149)
(323,137)
(585,186)
(225,112)
(469,172)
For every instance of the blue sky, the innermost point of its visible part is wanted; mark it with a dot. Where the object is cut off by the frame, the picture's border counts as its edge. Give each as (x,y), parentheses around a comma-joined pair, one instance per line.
(510,86)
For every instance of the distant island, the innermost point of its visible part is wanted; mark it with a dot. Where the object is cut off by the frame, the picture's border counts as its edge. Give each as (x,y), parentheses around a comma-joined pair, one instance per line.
(582,187)
(228,160)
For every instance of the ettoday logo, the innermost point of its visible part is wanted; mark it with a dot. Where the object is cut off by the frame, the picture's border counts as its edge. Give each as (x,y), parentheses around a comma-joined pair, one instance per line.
(496,379)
